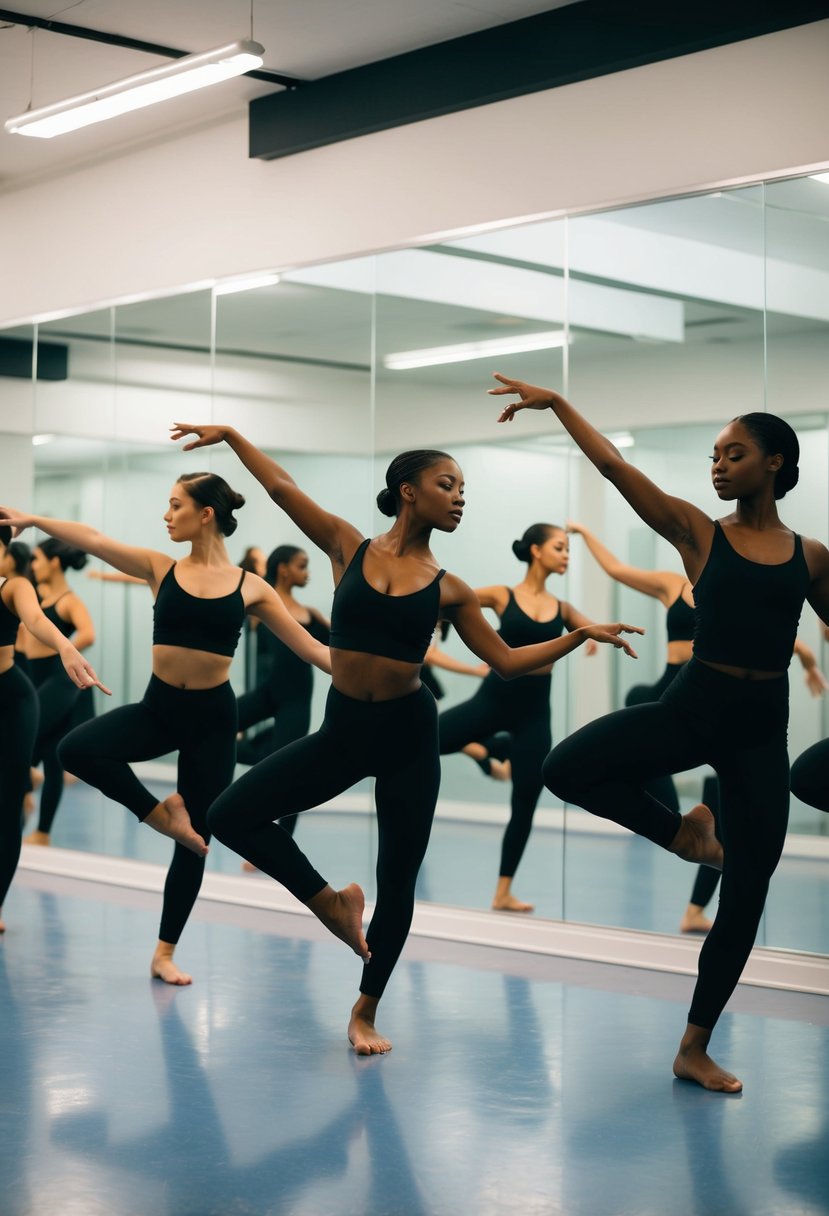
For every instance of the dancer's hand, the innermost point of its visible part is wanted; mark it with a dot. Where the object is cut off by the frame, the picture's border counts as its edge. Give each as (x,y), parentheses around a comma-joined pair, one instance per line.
(15,520)
(574,528)
(816,681)
(532,397)
(207,435)
(611,635)
(591,648)
(79,671)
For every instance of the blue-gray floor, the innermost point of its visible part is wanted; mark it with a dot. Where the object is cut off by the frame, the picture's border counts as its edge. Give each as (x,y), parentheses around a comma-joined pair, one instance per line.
(517,1083)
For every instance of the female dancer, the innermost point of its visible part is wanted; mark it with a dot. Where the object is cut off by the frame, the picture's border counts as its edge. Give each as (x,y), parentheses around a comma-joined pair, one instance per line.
(810,771)
(380,720)
(189,706)
(676,595)
(728,707)
(528,613)
(57,694)
(18,699)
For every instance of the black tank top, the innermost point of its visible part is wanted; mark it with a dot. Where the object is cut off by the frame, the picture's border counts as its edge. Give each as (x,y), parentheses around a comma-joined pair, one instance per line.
(51,614)
(369,621)
(9,623)
(182,619)
(277,662)
(680,621)
(519,629)
(747,612)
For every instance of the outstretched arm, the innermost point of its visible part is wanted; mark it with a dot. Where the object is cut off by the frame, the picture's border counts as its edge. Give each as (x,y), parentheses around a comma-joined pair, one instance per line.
(680,522)
(331,533)
(816,681)
(25,605)
(142,563)
(268,607)
(447,662)
(509,662)
(661,584)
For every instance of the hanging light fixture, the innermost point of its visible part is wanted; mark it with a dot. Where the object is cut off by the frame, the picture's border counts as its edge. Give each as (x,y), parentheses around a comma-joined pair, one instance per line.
(144,89)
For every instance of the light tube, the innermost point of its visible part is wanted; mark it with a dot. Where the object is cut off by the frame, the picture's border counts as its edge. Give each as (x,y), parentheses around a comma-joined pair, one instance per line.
(144,89)
(461,352)
(249,283)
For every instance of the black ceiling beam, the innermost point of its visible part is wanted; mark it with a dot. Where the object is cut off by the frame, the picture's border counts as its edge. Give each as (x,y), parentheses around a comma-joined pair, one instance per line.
(577,42)
(129,44)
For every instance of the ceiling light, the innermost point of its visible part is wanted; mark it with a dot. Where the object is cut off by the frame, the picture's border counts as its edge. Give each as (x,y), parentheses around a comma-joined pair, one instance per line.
(133,92)
(463,351)
(39,440)
(820,177)
(249,283)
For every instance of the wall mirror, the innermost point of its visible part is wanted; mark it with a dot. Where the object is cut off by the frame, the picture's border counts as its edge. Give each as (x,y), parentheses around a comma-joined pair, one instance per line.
(661,321)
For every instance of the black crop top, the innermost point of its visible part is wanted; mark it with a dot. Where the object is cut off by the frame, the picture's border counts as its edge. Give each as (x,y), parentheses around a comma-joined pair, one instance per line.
(680,620)
(368,620)
(182,619)
(9,623)
(747,612)
(519,629)
(51,614)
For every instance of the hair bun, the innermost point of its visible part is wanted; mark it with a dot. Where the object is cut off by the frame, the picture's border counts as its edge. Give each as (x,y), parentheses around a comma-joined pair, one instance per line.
(238,500)
(521,550)
(77,559)
(386,503)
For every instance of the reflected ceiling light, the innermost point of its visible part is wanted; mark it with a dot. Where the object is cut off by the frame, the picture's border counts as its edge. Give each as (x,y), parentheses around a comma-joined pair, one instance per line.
(39,440)
(820,177)
(133,92)
(249,283)
(463,351)
(623,440)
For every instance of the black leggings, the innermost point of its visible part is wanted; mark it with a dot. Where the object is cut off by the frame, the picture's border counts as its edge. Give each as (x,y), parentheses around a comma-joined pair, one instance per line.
(290,709)
(58,699)
(394,741)
(18,731)
(663,789)
(704,717)
(200,724)
(521,707)
(810,776)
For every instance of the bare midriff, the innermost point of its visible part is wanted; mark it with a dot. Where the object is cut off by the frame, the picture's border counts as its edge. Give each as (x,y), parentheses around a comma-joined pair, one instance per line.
(185,668)
(743,673)
(372,677)
(680,652)
(6,659)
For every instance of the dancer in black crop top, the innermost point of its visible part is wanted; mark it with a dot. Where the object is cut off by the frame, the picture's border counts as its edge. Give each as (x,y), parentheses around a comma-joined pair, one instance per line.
(58,696)
(189,706)
(380,721)
(675,593)
(727,707)
(528,614)
(18,700)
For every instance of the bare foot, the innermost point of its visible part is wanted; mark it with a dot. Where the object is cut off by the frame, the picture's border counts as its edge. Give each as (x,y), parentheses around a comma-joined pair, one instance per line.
(693,1063)
(164,968)
(28,803)
(41,838)
(500,770)
(170,818)
(694,920)
(342,913)
(249,868)
(696,839)
(36,777)
(509,903)
(362,1033)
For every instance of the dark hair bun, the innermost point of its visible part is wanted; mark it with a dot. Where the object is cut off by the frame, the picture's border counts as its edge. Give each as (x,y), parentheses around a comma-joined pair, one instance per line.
(68,556)
(211,490)
(5,534)
(77,559)
(521,550)
(386,503)
(787,478)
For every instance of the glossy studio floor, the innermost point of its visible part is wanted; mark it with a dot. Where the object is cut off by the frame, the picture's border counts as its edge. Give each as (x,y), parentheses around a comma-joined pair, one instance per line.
(520,1081)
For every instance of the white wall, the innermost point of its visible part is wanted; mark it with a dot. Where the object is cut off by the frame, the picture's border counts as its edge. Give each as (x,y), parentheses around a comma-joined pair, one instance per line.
(196,207)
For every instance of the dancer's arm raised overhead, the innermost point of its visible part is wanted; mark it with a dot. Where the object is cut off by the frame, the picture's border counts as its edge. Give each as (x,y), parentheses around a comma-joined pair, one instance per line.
(335,536)
(146,564)
(681,523)
(269,608)
(663,585)
(22,599)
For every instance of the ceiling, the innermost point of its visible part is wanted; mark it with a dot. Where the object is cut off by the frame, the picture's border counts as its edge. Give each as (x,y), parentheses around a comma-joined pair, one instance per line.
(307,39)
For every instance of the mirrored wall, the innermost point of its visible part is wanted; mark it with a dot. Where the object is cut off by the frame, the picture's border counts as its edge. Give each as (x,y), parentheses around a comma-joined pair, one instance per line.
(660,322)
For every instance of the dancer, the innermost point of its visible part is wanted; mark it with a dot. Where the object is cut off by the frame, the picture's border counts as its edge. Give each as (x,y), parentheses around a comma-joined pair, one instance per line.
(58,695)
(810,771)
(18,699)
(727,707)
(189,706)
(528,613)
(676,595)
(380,720)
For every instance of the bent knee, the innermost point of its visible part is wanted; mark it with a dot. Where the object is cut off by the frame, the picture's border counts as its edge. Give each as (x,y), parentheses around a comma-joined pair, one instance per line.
(559,777)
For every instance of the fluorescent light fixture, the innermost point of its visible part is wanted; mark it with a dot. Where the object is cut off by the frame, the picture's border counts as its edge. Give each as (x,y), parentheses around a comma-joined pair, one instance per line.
(39,440)
(820,177)
(133,92)
(249,283)
(623,440)
(515,345)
